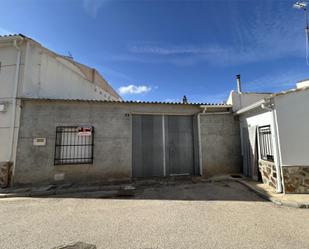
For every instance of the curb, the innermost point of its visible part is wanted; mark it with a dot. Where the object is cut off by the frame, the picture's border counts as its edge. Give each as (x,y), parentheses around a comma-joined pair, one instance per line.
(263,195)
(276,201)
(128,190)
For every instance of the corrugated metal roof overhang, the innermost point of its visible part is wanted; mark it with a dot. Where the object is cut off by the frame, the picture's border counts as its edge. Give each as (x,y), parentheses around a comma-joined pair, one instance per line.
(203,105)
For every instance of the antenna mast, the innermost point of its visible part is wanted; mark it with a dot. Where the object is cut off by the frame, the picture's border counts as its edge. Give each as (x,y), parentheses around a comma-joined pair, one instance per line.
(303,6)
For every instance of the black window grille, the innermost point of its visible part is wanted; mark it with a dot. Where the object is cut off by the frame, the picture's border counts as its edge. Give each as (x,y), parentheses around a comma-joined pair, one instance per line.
(74,145)
(265,143)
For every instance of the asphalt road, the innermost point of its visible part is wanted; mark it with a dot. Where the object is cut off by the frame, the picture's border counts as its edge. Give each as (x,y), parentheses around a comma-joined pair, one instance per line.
(203,215)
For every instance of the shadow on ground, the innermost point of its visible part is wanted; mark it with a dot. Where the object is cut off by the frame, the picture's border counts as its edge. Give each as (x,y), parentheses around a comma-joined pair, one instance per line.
(210,191)
(185,190)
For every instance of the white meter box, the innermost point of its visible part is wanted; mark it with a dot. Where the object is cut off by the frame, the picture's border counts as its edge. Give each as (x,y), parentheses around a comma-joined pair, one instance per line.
(39,141)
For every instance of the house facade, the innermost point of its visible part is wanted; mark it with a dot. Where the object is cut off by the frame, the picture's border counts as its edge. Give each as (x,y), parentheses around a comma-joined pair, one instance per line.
(29,70)
(275,139)
(87,141)
(60,122)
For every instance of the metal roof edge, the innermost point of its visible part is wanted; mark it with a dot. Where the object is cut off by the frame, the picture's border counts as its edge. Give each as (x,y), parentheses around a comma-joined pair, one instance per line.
(268,98)
(293,90)
(250,107)
(130,102)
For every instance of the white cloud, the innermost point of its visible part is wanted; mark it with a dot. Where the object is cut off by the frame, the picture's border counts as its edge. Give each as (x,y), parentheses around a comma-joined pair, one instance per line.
(92,6)
(133,89)
(161,49)
(276,81)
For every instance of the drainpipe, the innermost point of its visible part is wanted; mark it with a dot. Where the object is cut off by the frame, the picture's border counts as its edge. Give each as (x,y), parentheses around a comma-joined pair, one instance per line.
(200,151)
(275,137)
(13,118)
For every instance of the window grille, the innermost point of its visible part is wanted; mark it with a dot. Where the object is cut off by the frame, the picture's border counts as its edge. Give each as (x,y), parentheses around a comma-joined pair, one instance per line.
(74,145)
(265,143)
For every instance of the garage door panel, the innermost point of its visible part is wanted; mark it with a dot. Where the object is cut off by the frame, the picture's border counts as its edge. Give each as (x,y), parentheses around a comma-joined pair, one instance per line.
(179,141)
(147,146)
(159,151)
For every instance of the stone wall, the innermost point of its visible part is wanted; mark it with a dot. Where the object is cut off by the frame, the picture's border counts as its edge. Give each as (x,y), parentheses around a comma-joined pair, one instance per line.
(296,179)
(5,174)
(268,172)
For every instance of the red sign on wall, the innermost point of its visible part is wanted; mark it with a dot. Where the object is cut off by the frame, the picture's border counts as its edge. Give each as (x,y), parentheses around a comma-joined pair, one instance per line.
(84,131)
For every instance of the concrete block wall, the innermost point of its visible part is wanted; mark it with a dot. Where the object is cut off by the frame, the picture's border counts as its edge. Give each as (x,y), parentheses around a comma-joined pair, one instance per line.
(220,139)
(112,150)
(112,124)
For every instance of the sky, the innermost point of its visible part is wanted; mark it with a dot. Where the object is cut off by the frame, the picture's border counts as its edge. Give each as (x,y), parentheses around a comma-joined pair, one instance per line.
(161,50)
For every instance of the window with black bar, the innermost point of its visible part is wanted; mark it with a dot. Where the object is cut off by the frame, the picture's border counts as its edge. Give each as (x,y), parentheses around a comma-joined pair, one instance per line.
(74,145)
(265,143)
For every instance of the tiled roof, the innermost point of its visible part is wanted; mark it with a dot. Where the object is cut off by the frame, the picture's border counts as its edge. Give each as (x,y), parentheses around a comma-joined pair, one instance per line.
(10,35)
(133,102)
(14,35)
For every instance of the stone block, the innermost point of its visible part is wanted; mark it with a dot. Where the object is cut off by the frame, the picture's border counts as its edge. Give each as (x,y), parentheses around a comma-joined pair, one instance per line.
(293,170)
(306,182)
(5,174)
(272,184)
(302,173)
(290,188)
(306,169)
(268,170)
(273,180)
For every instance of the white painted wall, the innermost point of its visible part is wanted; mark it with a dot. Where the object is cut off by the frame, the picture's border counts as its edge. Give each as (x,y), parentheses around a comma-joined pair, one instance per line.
(303,83)
(257,117)
(42,74)
(293,124)
(8,56)
(240,100)
(50,76)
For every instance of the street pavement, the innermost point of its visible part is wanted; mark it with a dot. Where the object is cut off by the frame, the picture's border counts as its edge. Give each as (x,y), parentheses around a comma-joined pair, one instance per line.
(180,215)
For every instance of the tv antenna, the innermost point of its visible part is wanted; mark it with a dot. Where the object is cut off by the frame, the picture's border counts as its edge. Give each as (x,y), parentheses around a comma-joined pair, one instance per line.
(70,56)
(303,6)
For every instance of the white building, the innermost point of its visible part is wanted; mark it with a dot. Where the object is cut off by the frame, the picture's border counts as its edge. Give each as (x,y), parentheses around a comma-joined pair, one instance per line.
(275,137)
(29,70)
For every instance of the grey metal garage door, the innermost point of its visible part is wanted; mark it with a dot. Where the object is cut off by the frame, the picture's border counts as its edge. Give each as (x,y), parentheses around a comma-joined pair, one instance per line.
(162,145)
(179,145)
(147,146)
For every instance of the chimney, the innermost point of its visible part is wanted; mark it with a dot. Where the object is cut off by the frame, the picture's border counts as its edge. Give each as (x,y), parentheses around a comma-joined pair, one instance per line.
(238,83)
